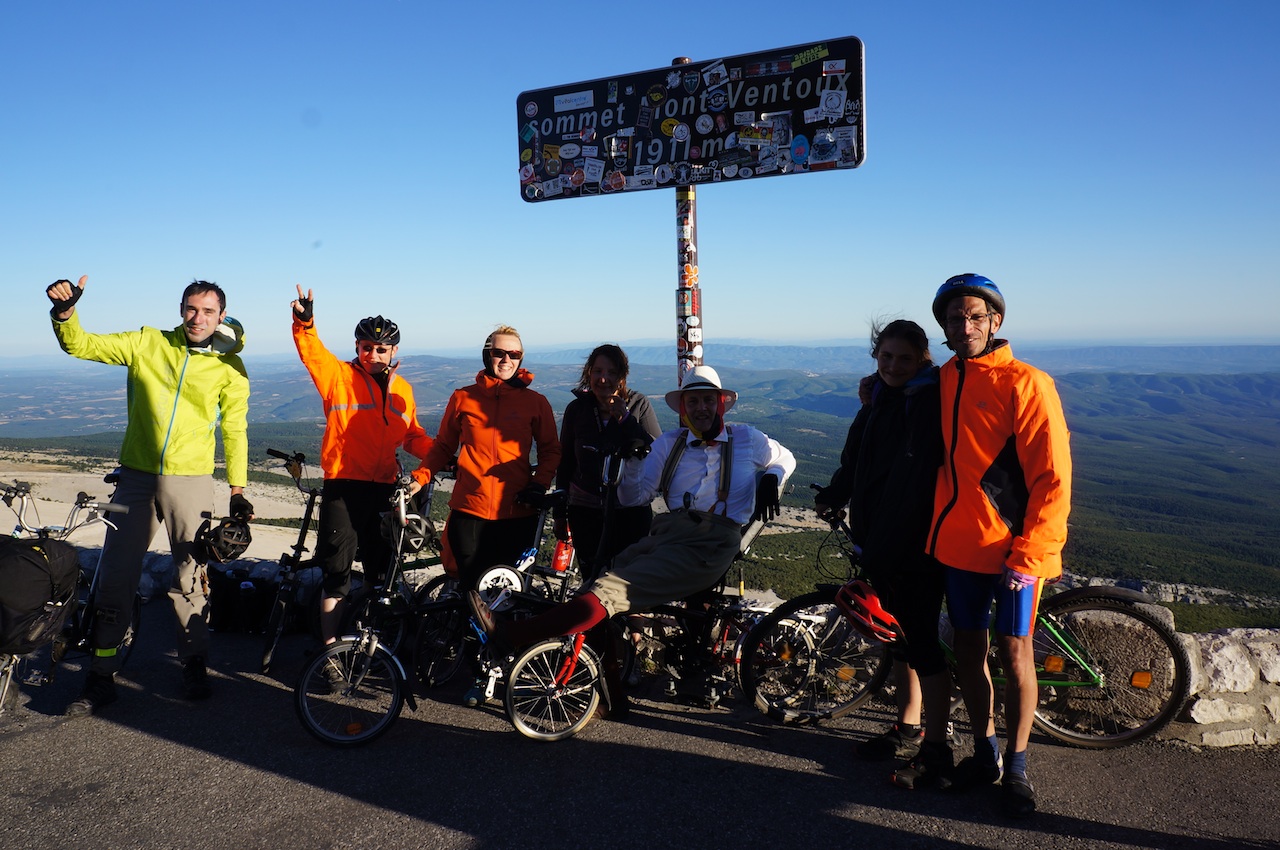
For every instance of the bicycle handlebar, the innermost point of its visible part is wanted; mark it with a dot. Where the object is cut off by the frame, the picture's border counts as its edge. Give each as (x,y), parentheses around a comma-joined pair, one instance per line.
(293,464)
(86,504)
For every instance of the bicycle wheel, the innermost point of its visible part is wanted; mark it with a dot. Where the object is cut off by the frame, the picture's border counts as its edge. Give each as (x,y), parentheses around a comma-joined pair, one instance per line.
(437,588)
(804,662)
(551,694)
(1110,672)
(347,696)
(367,609)
(439,648)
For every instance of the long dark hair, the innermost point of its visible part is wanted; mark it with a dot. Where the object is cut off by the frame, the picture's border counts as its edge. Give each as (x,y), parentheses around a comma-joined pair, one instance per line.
(614,353)
(903,329)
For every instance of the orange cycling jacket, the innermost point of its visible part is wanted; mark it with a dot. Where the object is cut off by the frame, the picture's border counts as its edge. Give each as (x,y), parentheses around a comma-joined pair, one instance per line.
(363,424)
(491,426)
(1004,489)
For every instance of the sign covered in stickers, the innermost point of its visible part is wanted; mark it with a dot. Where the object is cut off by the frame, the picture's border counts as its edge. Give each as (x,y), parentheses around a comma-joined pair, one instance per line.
(792,110)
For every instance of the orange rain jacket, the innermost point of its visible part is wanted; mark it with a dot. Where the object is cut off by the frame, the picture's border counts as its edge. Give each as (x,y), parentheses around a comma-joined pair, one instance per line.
(491,426)
(363,425)
(1004,489)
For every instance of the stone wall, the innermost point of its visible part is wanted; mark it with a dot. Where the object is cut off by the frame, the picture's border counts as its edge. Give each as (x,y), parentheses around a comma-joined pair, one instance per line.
(1235,673)
(1235,689)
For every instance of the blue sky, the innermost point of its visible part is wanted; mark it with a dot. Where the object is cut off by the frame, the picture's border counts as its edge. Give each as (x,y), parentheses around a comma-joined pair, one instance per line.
(1111,165)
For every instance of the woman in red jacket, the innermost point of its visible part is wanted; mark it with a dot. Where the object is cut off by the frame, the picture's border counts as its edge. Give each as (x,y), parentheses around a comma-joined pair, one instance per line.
(492,426)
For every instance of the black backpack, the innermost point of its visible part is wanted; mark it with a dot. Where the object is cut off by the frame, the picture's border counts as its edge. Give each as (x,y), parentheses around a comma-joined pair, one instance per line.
(37,591)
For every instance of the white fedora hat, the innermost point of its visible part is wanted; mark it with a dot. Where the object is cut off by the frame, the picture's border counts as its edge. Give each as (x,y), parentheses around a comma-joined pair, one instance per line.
(701,378)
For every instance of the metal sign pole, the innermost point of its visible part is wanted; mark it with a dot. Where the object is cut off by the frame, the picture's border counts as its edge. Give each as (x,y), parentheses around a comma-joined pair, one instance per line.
(688,295)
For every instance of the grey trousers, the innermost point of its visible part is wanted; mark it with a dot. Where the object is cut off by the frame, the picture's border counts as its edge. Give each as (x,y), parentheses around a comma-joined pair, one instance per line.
(180,503)
(685,553)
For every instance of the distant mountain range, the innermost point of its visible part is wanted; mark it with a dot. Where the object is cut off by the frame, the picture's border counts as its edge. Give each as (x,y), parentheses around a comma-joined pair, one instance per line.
(68,396)
(1176,450)
(839,359)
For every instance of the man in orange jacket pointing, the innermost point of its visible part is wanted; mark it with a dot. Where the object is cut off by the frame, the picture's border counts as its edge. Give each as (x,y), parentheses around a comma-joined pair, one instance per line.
(369,414)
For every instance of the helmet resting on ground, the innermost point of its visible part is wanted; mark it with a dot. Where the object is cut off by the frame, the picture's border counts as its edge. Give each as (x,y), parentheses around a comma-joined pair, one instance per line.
(966,284)
(378,329)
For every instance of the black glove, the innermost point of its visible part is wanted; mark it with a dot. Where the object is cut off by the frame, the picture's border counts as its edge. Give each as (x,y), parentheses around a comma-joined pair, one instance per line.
(303,310)
(828,513)
(766,498)
(531,495)
(60,306)
(822,504)
(240,507)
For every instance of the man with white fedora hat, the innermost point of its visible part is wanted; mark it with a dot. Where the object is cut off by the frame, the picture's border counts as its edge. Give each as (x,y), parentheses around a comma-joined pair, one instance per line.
(713,479)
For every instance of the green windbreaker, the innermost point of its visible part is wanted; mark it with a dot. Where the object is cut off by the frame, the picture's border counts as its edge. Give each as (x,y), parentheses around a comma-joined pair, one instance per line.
(176,395)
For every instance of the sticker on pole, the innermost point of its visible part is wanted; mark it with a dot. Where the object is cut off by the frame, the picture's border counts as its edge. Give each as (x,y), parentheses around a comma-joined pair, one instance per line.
(793,110)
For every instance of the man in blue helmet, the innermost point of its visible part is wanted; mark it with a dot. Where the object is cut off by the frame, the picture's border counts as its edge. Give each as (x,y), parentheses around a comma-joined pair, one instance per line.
(999,522)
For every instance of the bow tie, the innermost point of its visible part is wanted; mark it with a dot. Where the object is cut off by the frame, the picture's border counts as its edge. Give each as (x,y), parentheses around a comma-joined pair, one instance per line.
(708,443)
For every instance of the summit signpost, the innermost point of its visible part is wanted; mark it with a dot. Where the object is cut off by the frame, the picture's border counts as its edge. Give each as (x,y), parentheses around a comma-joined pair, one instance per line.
(793,110)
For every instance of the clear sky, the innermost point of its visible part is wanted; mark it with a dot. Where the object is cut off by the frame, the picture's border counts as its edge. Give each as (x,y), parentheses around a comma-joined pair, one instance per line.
(1114,166)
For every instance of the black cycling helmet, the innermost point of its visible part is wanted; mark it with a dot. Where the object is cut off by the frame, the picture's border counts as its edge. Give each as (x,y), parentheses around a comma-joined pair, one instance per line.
(416,532)
(378,329)
(966,284)
(225,541)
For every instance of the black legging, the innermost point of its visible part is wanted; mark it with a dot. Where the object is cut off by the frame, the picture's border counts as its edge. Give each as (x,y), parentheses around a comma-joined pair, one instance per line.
(478,544)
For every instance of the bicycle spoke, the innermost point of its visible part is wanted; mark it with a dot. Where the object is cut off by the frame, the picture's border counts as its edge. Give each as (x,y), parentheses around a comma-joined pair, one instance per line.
(552,691)
(347,696)
(1110,673)
(804,662)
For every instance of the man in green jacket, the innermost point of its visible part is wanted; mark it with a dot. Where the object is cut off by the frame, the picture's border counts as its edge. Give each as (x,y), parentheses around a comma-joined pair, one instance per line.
(183,384)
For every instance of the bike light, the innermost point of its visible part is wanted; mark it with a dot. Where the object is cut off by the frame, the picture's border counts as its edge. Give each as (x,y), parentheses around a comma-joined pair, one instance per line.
(1141,679)
(1054,664)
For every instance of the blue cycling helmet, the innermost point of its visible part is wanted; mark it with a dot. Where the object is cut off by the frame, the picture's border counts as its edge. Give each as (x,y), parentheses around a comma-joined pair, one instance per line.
(966,284)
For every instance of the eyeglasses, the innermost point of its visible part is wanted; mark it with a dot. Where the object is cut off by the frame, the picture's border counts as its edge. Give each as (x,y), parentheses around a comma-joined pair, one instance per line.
(960,321)
(369,349)
(499,353)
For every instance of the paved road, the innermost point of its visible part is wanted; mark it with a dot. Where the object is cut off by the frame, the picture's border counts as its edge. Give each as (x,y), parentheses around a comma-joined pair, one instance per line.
(239,771)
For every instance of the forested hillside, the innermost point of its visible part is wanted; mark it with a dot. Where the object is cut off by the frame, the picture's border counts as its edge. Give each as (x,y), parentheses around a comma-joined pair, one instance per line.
(1177,477)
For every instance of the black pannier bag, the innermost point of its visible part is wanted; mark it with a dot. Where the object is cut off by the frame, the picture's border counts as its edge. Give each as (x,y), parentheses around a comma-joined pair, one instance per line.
(37,591)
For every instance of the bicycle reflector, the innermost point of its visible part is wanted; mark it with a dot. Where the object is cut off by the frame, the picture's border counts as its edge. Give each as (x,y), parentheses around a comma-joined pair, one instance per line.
(861,606)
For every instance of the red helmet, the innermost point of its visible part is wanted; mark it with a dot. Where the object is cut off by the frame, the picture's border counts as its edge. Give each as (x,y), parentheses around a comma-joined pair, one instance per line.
(861,605)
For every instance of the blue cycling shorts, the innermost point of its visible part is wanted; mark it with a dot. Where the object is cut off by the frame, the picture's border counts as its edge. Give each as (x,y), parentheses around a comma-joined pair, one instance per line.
(970,596)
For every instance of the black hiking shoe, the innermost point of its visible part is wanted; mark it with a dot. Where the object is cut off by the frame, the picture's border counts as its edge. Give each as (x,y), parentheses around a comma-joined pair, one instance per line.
(971,773)
(892,744)
(931,767)
(1017,797)
(195,679)
(99,692)
(333,680)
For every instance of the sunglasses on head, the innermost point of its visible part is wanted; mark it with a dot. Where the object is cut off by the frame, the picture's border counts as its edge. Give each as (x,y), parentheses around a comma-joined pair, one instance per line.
(499,353)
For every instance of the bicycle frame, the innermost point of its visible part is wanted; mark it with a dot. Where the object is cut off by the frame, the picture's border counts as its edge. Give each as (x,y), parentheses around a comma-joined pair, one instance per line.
(86,511)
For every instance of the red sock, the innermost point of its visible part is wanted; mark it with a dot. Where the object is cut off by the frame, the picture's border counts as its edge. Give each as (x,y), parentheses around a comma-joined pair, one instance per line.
(576,615)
